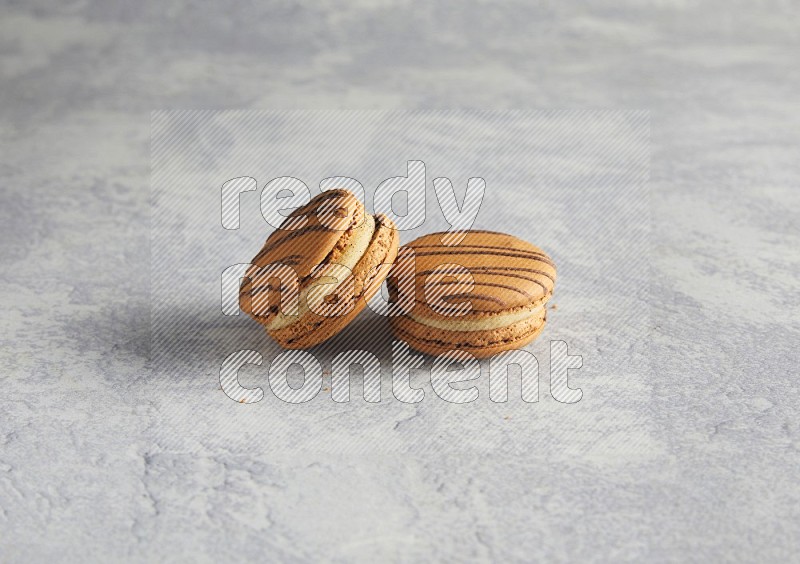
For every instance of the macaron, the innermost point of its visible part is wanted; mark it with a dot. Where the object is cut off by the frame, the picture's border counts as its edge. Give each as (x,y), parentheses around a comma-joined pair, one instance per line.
(317,271)
(485,295)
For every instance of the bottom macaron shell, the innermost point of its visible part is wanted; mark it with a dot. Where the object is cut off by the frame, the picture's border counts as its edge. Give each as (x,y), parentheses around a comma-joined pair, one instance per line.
(312,329)
(480,344)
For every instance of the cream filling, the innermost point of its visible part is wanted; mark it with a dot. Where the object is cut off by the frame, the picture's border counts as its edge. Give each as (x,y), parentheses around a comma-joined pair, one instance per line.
(482,324)
(329,278)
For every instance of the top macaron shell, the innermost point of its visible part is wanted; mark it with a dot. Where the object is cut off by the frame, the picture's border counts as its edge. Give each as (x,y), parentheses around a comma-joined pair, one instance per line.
(484,296)
(508,273)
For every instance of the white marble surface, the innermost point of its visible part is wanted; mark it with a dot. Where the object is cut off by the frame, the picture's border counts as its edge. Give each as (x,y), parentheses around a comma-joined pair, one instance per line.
(696,460)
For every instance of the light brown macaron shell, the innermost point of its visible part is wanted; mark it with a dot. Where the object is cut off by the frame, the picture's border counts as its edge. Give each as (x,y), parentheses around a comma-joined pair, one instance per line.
(513,280)
(315,241)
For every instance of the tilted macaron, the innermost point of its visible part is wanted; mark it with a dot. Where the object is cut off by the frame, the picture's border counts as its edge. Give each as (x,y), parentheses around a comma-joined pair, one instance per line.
(499,305)
(340,255)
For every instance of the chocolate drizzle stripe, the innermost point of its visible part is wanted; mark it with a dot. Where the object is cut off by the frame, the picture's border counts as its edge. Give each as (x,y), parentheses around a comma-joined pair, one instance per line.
(465,296)
(317,200)
(468,231)
(495,247)
(477,283)
(515,254)
(293,235)
(498,271)
(262,289)
(471,296)
(462,245)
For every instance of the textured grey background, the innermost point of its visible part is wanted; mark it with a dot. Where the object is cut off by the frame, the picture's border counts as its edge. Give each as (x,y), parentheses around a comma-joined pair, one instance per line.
(711,471)
(573,182)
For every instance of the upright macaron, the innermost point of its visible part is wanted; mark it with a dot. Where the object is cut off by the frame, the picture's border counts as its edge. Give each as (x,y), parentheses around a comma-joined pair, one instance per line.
(318,270)
(485,295)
